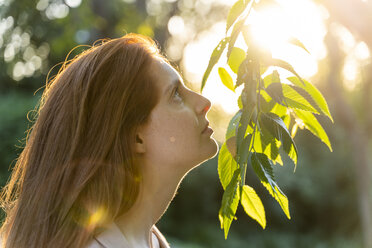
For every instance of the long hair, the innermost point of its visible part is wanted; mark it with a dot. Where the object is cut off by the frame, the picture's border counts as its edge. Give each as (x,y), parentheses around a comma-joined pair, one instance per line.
(77,171)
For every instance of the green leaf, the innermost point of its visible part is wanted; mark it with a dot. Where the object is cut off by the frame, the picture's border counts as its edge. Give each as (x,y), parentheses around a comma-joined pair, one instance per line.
(230,201)
(270,146)
(240,103)
(297,42)
(235,11)
(263,169)
(276,92)
(314,93)
(216,54)
(236,58)
(226,166)
(287,120)
(279,110)
(247,34)
(232,128)
(272,151)
(308,98)
(243,124)
(244,72)
(226,78)
(243,156)
(234,35)
(282,64)
(266,103)
(294,99)
(252,205)
(312,124)
(277,128)
(243,150)
(271,78)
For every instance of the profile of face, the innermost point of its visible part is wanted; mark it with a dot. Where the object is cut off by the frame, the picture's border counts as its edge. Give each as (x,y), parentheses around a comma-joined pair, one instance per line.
(175,139)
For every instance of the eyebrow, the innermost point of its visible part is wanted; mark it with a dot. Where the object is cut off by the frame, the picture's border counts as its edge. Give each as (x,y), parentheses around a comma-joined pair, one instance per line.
(173,85)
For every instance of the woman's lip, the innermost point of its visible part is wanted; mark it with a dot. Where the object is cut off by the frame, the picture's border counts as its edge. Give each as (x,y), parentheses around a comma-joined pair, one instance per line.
(208,130)
(206,127)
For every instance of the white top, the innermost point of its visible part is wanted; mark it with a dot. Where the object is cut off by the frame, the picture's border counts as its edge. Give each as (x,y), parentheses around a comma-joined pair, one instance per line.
(114,238)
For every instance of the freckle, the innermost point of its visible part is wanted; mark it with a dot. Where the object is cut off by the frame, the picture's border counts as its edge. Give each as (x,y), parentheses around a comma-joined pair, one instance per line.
(172,139)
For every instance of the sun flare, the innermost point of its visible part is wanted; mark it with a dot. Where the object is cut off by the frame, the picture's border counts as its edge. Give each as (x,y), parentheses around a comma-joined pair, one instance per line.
(272,27)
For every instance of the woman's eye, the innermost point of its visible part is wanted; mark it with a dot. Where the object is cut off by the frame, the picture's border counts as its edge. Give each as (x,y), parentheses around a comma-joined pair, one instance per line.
(176,95)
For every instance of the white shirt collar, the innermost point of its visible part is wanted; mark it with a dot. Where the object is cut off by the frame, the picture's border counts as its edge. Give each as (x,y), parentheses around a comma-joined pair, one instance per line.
(113,237)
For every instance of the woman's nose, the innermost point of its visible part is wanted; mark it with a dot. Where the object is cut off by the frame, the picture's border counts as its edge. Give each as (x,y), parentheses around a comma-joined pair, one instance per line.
(203,105)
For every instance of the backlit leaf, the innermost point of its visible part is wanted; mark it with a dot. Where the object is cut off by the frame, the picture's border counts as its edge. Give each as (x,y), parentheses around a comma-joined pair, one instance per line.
(234,35)
(230,201)
(232,128)
(276,92)
(308,98)
(284,65)
(270,146)
(236,58)
(297,42)
(263,169)
(277,128)
(252,205)
(226,78)
(271,78)
(293,99)
(226,166)
(243,124)
(279,110)
(243,150)
(315,94)
(235,11)
(216,54)
(312,124)
(244,72)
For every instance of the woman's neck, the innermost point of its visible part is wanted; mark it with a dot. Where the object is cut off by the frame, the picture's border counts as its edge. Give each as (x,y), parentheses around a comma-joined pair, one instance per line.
(152,202)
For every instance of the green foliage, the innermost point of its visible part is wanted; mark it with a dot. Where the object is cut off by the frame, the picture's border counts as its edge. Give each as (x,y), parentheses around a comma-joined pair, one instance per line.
(235,11)
(226,166)
(237,56)
(297,42)
(252,205)
(269,108)
(230,201)
(226,78)
(14,106)
(216,54)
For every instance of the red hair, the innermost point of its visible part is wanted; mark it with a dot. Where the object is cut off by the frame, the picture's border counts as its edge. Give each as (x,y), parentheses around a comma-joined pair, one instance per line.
(77,172)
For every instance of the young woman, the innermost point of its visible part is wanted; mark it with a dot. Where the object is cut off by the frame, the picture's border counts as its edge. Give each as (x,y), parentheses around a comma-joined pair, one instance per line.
(116,132)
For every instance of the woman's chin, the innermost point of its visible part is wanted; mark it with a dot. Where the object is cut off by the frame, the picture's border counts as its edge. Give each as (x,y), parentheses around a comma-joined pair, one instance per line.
(212,150)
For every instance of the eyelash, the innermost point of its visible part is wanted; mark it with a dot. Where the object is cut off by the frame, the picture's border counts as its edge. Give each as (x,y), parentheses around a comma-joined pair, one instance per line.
(176,92)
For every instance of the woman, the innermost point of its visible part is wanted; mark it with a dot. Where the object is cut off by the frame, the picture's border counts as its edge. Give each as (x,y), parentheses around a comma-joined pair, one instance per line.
(116,132)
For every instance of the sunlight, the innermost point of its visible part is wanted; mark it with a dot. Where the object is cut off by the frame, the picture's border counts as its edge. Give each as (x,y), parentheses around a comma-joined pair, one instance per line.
(274,26)
(271,27)
(269,32)
(195,59)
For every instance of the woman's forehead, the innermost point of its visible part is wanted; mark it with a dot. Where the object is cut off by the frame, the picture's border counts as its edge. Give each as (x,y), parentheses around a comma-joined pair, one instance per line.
(165,75)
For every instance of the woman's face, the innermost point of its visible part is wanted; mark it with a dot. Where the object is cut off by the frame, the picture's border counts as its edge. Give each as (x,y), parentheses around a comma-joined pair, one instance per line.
(173,139)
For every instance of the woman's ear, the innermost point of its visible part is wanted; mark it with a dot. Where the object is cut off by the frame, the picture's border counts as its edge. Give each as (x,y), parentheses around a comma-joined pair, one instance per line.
(139,145)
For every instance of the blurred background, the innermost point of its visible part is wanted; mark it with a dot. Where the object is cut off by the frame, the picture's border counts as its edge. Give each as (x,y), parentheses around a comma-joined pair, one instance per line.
(330,193)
